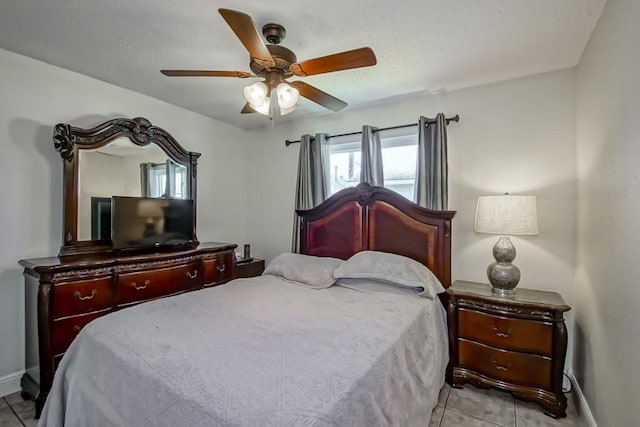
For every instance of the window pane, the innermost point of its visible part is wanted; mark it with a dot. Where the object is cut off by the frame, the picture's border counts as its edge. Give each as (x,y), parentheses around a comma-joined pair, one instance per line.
(399,153)
(344,169)
(399,165)
(157,180)
(180,186)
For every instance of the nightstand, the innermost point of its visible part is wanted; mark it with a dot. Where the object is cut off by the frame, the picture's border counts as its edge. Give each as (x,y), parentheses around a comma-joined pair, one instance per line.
(516,343)
(251,268)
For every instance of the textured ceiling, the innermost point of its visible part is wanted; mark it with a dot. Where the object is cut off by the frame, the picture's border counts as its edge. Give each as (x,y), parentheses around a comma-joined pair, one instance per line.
(421,45)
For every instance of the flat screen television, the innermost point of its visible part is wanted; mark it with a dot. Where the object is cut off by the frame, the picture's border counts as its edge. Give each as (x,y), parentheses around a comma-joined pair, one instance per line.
(139,222)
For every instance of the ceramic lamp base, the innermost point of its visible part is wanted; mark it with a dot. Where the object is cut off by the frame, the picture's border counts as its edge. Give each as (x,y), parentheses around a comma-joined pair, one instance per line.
(503,275)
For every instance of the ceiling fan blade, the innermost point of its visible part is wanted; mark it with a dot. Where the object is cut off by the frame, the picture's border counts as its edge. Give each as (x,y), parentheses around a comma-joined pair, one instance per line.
(206,73)
(245,29)
(247,109)
(319,97)
(363,57)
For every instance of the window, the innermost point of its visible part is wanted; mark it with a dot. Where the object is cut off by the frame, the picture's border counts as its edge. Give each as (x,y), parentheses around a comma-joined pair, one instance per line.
(157,185)
(344,164)
(399,157)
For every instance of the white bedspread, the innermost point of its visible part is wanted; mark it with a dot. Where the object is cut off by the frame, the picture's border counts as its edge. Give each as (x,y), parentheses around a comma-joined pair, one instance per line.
(256,352)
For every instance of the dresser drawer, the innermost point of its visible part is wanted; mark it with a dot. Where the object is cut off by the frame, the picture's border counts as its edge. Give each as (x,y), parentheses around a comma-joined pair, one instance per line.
(144,285)
(511,366)
(74,298)
(65,330)
(219,269)
(508,333)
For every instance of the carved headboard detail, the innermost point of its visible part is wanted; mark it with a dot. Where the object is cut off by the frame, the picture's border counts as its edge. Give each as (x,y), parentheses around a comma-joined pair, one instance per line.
(375,218)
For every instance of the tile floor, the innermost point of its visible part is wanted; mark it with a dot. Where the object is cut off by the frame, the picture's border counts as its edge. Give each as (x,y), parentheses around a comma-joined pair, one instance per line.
(16,412)
(467,407)
(475,407)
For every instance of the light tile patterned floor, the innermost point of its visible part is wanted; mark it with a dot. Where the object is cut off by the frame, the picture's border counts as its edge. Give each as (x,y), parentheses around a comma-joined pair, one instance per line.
(475,407)
(467,407)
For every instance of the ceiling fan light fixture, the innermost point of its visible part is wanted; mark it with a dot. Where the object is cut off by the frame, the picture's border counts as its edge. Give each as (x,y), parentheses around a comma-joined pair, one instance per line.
(288,97)
(256,94)
(262,108)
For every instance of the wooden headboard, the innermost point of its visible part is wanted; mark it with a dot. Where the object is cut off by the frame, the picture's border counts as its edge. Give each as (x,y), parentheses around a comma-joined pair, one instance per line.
(374,218)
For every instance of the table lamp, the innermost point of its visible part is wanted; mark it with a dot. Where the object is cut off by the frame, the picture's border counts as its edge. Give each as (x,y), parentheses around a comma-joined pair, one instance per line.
(505,215)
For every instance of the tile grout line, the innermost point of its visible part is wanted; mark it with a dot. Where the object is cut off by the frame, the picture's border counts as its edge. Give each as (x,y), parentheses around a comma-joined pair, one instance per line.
(14,411)
(444,407)
(477,418)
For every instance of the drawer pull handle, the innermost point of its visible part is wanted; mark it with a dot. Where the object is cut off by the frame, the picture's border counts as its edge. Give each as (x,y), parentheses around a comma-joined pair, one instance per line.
(137,287)
(499,366)
(193,275)
(221,268)
(503,334)
(78,295)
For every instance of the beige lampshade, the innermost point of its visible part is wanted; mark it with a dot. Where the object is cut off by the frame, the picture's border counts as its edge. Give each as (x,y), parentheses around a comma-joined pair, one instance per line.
(507,215)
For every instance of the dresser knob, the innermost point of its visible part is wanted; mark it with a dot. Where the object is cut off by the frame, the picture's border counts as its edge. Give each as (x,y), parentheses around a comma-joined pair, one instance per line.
(137,287)
(499,366)
(76,328)
(78,295)
(221,268)
(193,275)
(503,334)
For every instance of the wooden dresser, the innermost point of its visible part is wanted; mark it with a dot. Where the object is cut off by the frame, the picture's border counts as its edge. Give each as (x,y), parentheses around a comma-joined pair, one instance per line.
(516,344)
(63,296)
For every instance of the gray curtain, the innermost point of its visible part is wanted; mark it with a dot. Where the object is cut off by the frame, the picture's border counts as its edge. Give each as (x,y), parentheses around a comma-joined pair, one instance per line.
(371,166)
(311,187)
(145,184)
(432,170)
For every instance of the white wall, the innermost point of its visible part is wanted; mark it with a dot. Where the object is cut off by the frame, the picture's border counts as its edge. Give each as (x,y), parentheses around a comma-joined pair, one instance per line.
(36,96)
(608,273)
(516,136)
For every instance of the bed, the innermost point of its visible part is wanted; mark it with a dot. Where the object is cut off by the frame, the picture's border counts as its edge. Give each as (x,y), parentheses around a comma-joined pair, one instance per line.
(279,349)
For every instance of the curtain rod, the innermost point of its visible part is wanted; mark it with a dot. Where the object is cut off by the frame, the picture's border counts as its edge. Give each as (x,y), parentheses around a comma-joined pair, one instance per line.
(455,118)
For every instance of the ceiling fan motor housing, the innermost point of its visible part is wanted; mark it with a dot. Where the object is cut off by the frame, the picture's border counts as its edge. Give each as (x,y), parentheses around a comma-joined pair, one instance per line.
(274,33)
(282,56)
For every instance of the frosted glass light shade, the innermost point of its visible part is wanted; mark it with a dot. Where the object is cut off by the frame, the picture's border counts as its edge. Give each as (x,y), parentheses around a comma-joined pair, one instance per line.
(255,94)
(264,107)
(507,215)
(288,97)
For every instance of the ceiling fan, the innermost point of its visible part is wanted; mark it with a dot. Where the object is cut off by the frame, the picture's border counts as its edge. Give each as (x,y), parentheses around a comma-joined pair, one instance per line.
(276,63)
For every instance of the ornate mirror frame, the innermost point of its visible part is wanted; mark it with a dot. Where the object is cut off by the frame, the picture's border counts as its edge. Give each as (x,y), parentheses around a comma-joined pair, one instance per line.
(68,140)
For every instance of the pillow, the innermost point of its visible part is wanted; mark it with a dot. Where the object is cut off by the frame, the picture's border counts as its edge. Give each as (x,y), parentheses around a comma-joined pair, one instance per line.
(392,269)
(312,271)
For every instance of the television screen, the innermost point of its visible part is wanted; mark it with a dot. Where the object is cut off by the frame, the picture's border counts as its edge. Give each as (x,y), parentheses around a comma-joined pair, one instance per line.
(143,222)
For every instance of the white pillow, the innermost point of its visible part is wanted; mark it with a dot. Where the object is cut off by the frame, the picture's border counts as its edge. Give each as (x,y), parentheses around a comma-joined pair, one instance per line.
(312,271)
(389,268)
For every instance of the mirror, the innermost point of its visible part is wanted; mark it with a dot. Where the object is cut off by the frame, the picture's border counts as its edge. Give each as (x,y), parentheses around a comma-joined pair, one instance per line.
(122,169)
(121,157)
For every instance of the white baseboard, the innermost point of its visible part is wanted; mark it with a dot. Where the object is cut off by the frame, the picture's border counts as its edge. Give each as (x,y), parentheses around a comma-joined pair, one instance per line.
(582,401)
(10,384)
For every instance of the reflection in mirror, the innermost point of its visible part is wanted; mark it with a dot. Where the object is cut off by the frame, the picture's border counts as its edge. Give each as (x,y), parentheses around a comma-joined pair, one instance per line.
(122,168)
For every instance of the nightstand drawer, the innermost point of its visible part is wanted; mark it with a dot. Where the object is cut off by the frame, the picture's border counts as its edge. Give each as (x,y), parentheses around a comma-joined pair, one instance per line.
(252,268)
(520,368)
(508,333)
